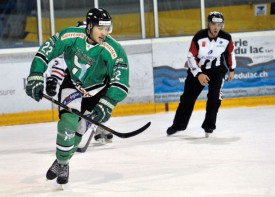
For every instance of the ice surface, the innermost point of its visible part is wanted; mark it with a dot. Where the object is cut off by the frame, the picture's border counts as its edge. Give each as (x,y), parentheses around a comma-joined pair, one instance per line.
(238,160)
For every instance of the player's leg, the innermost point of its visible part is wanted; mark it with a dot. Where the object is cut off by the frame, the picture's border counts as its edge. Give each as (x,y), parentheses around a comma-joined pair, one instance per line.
(214,98)
(65,140)
(192,89)
(67,127)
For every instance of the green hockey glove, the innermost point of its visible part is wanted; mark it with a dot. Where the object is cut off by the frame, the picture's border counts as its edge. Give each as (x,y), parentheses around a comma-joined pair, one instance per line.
(103,110)
(35,86)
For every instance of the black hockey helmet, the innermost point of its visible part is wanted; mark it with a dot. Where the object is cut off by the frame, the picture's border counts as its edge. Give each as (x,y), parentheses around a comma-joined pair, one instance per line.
(81,24)
(215,17)
(99,16)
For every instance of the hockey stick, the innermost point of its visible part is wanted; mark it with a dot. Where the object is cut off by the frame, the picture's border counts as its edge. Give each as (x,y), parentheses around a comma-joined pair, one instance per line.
(84,148)
(118,134)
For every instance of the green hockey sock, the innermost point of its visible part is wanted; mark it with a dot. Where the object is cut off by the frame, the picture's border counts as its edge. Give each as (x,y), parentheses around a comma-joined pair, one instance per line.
(67,127)
(77,141)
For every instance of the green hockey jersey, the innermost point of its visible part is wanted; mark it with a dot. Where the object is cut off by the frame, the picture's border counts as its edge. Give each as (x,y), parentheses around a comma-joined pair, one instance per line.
(89,65)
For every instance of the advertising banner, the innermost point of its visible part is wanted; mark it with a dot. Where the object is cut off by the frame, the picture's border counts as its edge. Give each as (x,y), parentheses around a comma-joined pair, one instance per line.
(254,75)
(14,71)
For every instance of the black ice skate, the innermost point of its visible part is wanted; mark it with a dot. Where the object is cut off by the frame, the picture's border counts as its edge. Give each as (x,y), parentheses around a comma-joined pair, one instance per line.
(53,170)
(63,174)
(103,136)
(208,132)
(173,129)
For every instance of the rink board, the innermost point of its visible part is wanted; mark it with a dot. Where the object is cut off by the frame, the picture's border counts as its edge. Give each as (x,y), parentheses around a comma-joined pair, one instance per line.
(133,109)
(155,85)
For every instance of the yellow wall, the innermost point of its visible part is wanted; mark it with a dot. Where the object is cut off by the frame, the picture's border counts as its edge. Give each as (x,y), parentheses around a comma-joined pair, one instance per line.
(171,23)
(133,109)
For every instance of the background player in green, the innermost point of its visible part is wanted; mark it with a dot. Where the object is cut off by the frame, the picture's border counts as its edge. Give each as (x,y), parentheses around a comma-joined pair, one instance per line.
(96,63)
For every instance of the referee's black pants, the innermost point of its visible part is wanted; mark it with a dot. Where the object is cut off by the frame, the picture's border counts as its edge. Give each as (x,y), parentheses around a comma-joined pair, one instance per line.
(192,90)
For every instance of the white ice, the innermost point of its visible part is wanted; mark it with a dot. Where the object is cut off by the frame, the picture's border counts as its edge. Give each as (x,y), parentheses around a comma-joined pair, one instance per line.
(238,160)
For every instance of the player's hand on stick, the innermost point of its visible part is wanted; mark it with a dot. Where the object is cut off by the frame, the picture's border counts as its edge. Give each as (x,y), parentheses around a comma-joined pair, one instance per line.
(102,111)
(35,86)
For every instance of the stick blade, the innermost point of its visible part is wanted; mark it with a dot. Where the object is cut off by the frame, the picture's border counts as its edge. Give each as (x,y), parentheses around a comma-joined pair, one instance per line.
(133,133)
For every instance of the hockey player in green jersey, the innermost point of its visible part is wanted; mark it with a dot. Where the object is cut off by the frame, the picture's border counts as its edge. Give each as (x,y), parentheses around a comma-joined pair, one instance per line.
(97,68)
(57,67)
